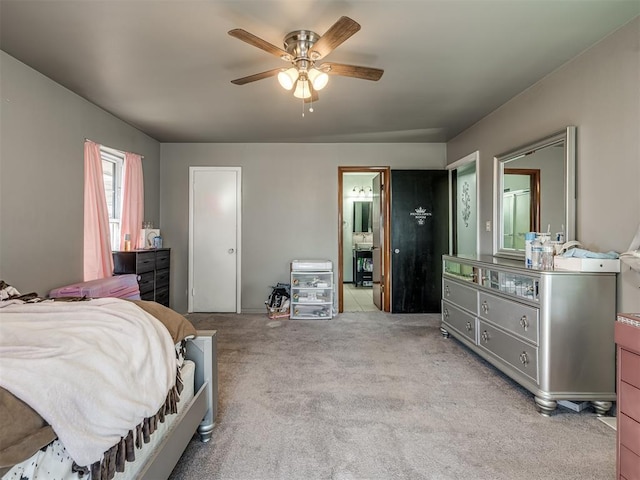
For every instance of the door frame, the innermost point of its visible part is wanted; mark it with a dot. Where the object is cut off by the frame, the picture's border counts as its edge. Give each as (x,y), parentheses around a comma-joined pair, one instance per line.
(386,188)
(192,172)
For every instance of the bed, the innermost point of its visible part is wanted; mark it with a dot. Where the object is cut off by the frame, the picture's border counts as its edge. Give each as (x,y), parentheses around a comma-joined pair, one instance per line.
(152,347)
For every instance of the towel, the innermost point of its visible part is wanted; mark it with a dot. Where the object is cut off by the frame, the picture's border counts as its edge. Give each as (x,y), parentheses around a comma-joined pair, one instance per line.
(582,253)
(93,370)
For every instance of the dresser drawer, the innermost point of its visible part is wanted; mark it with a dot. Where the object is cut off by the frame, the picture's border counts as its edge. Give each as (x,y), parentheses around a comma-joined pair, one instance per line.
(162,296)
(629,398)
(459,320)
(520,319)
(461,295)
(145,282)
(520,355)
(146,262)
(162,278)
(630,367)
(629,464)
(151,296)
(629,433)
(163,259)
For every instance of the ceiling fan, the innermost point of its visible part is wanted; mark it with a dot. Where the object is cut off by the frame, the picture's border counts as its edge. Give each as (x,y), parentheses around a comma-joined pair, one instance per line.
(303,48)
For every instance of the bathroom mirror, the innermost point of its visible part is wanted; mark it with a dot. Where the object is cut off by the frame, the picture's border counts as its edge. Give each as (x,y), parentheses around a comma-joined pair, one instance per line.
(463,206)
(534,190)
(362,220)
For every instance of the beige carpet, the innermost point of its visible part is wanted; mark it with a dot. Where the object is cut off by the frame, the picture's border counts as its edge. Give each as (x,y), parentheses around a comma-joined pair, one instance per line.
(379,396)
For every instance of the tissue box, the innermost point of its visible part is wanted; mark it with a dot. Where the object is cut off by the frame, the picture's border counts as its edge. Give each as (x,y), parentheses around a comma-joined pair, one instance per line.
(586,264)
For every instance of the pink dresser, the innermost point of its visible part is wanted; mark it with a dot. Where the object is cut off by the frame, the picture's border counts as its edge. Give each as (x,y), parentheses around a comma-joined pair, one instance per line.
(627,335)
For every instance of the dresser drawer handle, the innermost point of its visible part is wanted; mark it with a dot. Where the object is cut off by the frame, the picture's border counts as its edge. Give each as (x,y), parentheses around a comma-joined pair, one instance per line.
(524,323)
(524,358)
(447,292)
(446,313)
(485,336)
(468,326)
(485,307)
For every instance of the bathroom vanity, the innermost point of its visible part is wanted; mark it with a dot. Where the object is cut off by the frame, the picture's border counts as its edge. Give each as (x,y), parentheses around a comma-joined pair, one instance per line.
(550,331)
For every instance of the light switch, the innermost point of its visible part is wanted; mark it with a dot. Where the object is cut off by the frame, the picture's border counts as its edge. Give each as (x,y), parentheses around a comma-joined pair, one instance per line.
(487,225)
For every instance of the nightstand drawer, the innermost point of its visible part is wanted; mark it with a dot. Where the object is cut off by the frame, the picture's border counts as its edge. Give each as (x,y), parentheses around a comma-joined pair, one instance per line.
(629,464)
(461,295)
(629,433)
(629,398)
(630,367)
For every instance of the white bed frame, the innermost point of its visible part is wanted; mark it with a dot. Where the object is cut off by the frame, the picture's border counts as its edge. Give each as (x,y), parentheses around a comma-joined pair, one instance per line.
(200,414)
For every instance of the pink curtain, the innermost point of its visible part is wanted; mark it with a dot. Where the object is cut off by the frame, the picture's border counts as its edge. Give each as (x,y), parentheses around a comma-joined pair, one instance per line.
(98,260)
(132,200)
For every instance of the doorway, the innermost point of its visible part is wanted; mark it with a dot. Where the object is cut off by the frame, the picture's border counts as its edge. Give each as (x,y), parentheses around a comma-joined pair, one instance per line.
(214,239)
(363,238)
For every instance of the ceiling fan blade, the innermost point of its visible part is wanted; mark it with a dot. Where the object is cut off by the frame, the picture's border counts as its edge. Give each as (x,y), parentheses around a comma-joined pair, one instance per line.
(365,73)
(251,39)
(256,76)
(337,33)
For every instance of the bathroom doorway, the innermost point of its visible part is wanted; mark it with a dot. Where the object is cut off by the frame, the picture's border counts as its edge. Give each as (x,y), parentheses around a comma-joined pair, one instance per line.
(363,239)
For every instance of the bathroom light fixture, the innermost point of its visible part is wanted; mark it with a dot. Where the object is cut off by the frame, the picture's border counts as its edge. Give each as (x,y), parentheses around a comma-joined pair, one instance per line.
(362,191)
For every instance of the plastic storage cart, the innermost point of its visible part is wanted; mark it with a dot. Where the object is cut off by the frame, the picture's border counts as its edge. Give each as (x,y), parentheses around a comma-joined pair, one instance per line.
(311,289)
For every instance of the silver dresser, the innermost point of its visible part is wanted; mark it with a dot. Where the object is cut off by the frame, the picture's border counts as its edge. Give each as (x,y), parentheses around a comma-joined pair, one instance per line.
(550,331)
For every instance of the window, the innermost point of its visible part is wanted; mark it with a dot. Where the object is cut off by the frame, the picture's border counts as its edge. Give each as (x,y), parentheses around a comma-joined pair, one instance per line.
(112,162)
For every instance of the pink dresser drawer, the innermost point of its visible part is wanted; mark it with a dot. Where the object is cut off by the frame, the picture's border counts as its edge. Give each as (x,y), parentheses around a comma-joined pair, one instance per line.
(630,368)
(629,433)
(629,464)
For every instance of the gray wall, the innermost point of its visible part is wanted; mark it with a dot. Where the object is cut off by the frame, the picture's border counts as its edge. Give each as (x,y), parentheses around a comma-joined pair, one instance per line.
(43,126)
(598,92)
(290,203)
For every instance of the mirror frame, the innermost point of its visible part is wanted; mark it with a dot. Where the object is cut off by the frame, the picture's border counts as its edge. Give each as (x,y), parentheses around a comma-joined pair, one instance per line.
(569,195)
(356,204)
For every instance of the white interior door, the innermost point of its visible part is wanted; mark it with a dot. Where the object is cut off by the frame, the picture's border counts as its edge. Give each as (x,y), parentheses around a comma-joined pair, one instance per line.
(214,239)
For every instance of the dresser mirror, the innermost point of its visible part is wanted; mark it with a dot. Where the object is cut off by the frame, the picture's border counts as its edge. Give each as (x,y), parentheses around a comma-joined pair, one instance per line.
(534,191)
(463,206)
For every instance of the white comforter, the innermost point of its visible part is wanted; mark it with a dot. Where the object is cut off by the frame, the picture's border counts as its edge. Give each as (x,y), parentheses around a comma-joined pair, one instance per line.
(93,370)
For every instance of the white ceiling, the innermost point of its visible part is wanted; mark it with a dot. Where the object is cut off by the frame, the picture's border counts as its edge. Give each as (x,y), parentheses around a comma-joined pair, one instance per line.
(165,66)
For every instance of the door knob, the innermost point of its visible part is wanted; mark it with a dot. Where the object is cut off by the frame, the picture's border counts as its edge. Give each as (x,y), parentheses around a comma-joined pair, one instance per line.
(231,250)
(397,250)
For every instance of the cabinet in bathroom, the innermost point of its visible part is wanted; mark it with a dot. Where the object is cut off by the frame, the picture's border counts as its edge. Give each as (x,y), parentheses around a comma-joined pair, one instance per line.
(550,331)
(362,268)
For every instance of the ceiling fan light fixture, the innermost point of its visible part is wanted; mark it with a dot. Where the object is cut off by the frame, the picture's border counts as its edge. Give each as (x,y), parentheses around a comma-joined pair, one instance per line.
(319,79)
(287,78)
(302,89)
